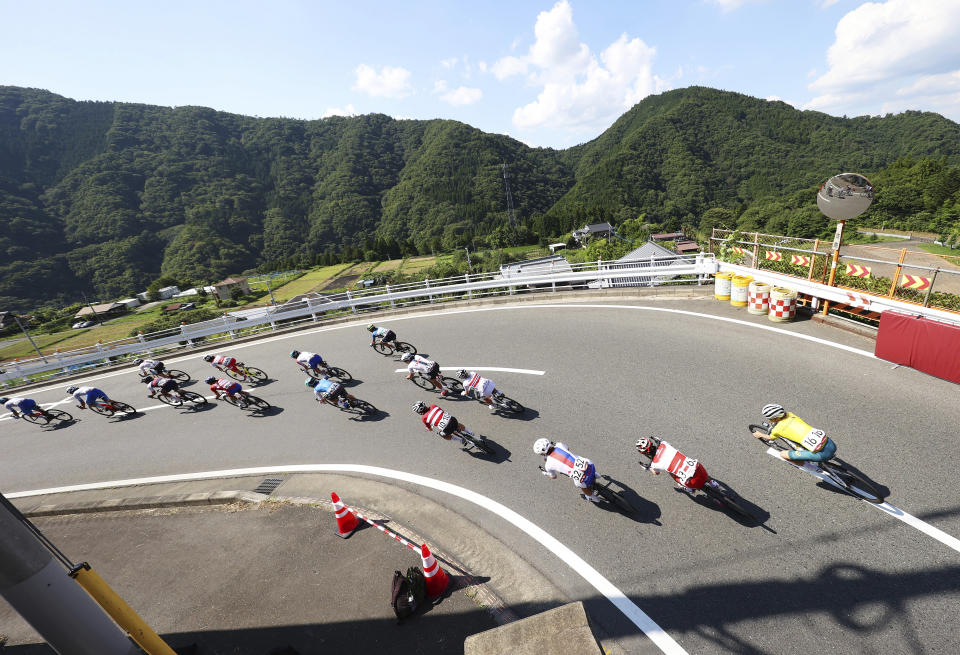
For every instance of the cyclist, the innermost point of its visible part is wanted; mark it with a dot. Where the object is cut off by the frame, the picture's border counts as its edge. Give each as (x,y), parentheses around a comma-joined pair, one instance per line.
(427,368)
(689,474)
(445,425)
(385,335)
(309,362)
(149,366)
(24,405)
(227,387)
(328,391)
(87,396)
(814,445)
(164,386)
(225,363)
(559,459)
(472,381)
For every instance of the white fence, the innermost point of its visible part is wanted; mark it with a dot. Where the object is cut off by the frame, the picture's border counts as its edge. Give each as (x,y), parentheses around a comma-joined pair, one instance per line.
(686,269)
(696,268)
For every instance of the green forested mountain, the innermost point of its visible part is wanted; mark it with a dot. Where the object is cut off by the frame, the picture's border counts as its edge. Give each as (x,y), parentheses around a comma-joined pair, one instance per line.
(103,197)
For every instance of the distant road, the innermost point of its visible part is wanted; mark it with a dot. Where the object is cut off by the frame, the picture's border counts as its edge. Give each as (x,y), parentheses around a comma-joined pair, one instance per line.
(945,282)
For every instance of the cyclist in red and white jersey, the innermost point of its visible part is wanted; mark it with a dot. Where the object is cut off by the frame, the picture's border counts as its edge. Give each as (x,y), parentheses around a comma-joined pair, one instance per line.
(224,363)
(427,368)
(688,473)
(443,423)
(484,387)
(226,387)
(559,459)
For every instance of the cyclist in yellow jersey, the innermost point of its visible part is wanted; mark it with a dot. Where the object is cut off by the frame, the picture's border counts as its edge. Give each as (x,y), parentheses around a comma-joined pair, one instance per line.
(813,445)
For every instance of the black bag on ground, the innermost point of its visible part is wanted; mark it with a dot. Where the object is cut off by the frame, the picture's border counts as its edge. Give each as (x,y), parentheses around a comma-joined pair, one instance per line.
(407,592)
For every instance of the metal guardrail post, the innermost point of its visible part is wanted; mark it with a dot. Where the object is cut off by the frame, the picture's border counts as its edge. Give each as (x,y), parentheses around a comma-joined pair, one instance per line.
(313,315)
(350,298)
(426,283)
(387,289)
(813,259)
(756,250)
(933,280)
(896,277)
(466,280)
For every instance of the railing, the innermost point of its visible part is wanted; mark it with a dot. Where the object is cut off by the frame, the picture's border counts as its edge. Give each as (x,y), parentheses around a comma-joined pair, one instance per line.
(655,271)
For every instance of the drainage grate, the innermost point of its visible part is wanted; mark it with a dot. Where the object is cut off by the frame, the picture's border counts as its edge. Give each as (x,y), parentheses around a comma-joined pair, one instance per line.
(268,486)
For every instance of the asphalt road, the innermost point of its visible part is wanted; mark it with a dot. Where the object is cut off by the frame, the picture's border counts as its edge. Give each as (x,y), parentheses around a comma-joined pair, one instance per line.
(825,572)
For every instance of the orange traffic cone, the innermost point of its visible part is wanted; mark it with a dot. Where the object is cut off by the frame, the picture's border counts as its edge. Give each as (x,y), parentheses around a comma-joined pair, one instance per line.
(436,577)
(346,520)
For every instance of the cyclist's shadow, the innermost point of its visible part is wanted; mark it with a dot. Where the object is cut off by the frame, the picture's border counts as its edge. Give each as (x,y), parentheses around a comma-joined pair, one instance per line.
(882,488)
(644,511)
(760,515)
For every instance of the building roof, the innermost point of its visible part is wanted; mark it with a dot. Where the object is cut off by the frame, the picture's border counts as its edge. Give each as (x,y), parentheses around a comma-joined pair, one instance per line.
(541,266)
(646,251)
(667,236)
(687,246)
(99,309)
(231,280)
(596,227)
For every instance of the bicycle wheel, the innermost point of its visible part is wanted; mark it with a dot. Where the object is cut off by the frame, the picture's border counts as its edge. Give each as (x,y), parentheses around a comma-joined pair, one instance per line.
(726,499)
(508,404)
(37,418)
(59,415)
(238,376)
(173,401)
(257,404)
(482,444)
(422,382)
(255,374)
(123,407)
(102,410)
(192,397)
(382,348)
(453,384)
(177,375)
(615,499)
(404,347)
(339,374)
(233,400)
(854,483)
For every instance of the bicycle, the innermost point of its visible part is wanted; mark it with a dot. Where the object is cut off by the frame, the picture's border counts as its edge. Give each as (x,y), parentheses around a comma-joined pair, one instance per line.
(614,498)
(250,402)
(356,406)
(172,373)
(48,416)
(387,349)
(833,470)
(500,401)
(249,374)
(424,383)
(178,398)
(472,441)
(110,407)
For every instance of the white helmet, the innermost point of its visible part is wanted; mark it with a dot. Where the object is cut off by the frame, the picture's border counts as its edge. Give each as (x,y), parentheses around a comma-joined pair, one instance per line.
(773,411)
(407,358)
(541,446)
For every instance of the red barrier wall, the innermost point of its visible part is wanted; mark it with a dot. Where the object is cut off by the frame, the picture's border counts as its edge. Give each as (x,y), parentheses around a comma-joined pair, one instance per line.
(926,345)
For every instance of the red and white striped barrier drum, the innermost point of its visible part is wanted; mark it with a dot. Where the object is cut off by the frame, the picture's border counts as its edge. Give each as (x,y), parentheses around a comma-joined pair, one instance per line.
(758,298)
(783,305)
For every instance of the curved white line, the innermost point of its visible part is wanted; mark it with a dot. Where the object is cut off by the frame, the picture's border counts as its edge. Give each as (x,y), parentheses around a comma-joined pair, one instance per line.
(637,616)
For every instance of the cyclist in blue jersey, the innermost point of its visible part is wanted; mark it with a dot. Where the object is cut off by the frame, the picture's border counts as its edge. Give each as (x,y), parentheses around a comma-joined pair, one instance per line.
(559,459)
(384,335)
(87,396)
(19,407)
(328,391)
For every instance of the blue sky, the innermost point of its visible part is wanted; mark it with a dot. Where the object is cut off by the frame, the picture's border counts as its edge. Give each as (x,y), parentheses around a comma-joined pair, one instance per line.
(548,73)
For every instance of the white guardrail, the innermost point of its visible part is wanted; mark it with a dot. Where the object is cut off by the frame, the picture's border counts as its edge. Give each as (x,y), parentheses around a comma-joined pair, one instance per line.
(655,271)
(518,279)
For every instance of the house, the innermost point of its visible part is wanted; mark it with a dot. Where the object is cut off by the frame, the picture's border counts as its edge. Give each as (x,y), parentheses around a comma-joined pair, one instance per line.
(187,293)
(531,267)
(647,255)
(130,303)
(588,232)
(104,309)
(224,288)
(683,247)
(168,292)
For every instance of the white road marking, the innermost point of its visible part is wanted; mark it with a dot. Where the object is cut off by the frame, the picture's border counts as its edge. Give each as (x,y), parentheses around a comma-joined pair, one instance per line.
(637,616)
(896,512)
(526,371)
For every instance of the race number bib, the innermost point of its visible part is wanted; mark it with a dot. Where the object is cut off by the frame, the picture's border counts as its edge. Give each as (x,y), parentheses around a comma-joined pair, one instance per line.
(443,422)
(579,469)
(814,440)
(683,469)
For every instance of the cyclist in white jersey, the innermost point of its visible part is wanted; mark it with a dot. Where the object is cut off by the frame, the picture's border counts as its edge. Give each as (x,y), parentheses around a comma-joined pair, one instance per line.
(484,387)
(427,368)
(149,367)
(559,459)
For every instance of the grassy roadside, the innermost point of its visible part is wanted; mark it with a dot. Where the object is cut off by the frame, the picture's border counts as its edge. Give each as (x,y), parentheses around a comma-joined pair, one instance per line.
(953,254)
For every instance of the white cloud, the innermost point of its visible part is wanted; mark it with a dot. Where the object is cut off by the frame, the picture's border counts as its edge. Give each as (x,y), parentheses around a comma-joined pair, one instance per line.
(449,63)
(439,86)
(390,82)
(579,90)
(462,96)
(482,65)
(894,48)
(336,111)
(828,3)
(727,5)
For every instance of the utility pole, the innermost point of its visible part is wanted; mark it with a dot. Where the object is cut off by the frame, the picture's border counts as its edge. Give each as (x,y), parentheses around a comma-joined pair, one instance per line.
(510,212)
(95,315)
(32,342)
(469,265)
(40,590)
